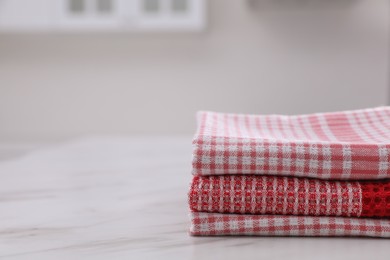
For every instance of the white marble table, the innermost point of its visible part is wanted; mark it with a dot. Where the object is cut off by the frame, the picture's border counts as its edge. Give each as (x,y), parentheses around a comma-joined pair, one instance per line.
(125,198)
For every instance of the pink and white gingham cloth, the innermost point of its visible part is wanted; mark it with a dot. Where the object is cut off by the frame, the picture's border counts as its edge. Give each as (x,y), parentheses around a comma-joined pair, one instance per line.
(340,145)
(214,224)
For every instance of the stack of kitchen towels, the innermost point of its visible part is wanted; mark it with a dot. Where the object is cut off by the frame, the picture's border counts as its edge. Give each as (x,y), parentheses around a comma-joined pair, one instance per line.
(324,174)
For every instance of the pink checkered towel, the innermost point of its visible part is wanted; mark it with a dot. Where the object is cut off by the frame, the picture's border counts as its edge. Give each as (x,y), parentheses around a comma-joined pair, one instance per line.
(214,224)
(340,145)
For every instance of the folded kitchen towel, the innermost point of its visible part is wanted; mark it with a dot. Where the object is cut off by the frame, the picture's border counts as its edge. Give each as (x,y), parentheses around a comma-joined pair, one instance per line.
(214,224)
(242,194)
(340,145)
(324,174)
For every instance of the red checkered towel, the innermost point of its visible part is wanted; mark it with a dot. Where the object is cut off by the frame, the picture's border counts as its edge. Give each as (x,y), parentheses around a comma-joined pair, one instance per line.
(213,224)
(242,194)
(342,145)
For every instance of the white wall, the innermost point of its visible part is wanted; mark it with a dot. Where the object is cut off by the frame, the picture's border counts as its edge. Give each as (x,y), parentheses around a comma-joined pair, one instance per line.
(286,56)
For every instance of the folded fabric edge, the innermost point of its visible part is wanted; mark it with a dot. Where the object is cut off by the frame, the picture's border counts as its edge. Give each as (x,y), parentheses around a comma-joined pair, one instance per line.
(334,177)
(199,113)
(368,161)
(215,224)
(201,139)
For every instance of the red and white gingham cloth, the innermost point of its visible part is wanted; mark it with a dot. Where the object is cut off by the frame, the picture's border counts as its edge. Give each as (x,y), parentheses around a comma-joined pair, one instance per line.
(340,145)
(214,224)
(350,145)
(254,194)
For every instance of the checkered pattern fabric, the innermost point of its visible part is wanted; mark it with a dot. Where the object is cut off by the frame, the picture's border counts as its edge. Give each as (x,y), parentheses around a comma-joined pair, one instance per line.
(275,195)
(214,224)
(300,175)
(289,196)
(342,145)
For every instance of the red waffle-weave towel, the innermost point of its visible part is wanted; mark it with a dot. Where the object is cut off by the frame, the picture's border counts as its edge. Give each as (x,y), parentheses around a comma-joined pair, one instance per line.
(289,196)
(212,224)
(341,145)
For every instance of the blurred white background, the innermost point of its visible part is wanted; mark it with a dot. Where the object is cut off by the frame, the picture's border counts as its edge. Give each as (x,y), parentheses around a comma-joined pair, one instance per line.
(253,56)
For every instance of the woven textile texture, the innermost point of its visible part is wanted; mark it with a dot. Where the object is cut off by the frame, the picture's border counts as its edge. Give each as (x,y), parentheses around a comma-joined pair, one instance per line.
(342,145)
(289,196)
(376,199)
(214,224)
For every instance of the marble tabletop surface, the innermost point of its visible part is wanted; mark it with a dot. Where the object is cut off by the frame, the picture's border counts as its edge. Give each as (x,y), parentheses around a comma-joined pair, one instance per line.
(125,198)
